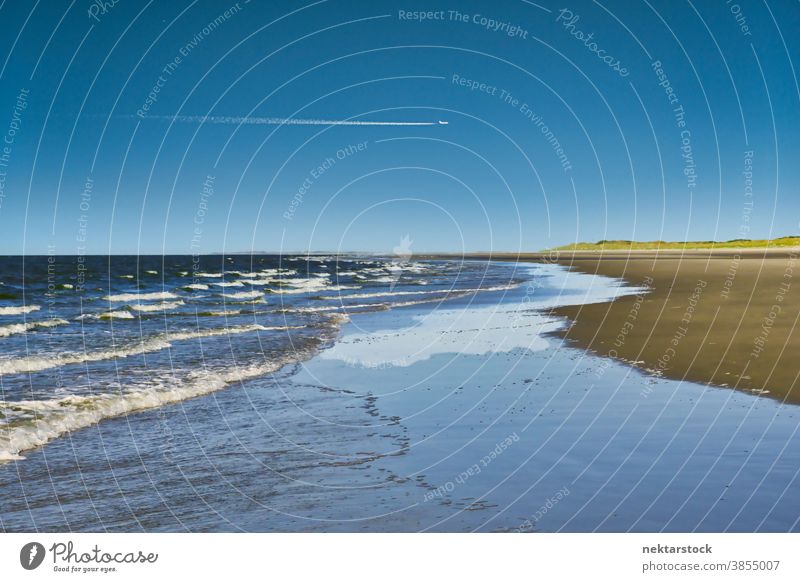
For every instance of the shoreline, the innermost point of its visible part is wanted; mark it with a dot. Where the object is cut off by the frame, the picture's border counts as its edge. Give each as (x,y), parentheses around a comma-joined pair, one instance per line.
(724,317)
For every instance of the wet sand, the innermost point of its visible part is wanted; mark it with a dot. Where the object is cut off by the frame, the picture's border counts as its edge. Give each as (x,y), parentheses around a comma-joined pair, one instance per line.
(727,317)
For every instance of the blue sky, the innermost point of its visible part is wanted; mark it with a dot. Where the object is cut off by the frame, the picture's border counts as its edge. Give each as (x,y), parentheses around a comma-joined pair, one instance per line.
(565,122)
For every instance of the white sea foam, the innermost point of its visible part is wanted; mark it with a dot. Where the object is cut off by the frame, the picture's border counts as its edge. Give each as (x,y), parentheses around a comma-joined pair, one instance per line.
(16,328)
(266,272)
(324,308)
(163,306)
(223,313)
(229,284)
(243,295)
(298,285)
(55,417)
(19,309)
(146,345)
(129,297)
(299,281)
(208,275)
(197,286)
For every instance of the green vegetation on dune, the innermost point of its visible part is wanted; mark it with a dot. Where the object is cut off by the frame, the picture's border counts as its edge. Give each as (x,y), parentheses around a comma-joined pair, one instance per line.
(739,243)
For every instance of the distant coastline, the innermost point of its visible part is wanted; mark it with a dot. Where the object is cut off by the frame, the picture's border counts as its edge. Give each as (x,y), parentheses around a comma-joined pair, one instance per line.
(738,243)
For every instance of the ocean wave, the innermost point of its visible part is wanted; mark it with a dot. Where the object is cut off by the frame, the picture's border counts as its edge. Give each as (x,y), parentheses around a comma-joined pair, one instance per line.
(209,275)
(380,306)
(163,306)
(243,295)
(229,284)
(223,313)
(431,292)
(108,315)
(196,287)
(408,267)
(16,328)
(259,301)
(147,345)
(129,297)
(19,309)
(299,281)
(268,273)
(297,286)
(45,420)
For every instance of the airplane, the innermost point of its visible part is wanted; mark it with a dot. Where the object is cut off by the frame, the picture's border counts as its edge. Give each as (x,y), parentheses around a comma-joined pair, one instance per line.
(443,122)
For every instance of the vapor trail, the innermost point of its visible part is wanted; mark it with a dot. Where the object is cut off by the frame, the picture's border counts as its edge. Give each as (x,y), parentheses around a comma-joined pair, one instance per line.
(281,121)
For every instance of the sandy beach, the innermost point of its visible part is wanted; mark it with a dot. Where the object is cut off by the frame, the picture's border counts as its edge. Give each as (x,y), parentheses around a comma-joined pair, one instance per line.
(725,317)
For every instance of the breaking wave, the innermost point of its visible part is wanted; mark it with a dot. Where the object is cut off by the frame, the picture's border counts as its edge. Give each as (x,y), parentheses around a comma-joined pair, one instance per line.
(129,297)
(152,344)
(15,328)
(163,306)
(19,309)
(38,422)
(244,295)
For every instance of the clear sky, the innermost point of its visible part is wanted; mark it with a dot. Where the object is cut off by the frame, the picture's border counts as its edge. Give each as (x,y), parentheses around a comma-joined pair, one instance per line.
(571,121)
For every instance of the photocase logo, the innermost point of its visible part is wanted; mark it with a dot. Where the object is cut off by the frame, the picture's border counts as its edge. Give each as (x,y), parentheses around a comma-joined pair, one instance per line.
(31,555)
(402,256)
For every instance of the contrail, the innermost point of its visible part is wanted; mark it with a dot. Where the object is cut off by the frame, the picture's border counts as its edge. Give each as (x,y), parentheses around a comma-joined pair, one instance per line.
(282,121)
